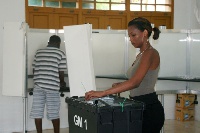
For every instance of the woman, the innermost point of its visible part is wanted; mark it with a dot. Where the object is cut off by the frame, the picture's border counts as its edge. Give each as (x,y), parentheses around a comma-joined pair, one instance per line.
(142,76)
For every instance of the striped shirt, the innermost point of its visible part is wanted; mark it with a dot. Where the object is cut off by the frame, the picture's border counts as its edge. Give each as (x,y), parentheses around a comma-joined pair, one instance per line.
(47,64)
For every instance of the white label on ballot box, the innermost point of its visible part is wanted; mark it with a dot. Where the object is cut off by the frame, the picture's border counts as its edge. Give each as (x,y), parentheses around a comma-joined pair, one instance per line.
(78,121)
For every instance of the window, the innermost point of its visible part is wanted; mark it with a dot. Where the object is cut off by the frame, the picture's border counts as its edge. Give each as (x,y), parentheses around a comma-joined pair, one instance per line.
(150,5)
(51,3)
(135,5)
(35,2)
(54,3)
(104,4)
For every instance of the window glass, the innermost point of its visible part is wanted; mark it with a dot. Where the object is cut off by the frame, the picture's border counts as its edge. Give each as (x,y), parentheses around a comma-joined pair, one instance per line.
(135,1)
(69,5)
(51,3)
(135,7)
(163,1)
(100,6)
(88,0)
(88,5)
(118,7)
(148,8)
(35,2)
(148,1)
(163,8)
(102,0)
(118,1)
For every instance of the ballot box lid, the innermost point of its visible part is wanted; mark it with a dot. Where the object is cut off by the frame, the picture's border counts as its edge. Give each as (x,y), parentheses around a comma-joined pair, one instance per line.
(108,103)
(122,103)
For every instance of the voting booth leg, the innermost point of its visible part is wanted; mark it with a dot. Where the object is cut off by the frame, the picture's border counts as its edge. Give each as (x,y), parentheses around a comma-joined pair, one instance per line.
(24,114)
(25,103)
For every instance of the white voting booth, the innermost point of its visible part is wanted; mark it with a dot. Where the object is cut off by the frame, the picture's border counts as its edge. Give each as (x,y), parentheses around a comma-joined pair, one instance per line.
(79,59)
(14,59)
(14,62)
(90,54)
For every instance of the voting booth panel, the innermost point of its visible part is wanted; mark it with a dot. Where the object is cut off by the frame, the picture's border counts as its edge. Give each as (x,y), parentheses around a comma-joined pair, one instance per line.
(171,62)
(79,59)
(111,52)
(109,114)
(194,59)
(14,59)
(38,39)
(194,54)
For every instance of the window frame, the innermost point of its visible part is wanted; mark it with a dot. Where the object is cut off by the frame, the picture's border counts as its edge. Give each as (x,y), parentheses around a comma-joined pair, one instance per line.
(127,5)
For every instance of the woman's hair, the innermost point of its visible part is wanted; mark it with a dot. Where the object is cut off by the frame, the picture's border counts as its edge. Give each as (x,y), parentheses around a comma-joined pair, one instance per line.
(144,24)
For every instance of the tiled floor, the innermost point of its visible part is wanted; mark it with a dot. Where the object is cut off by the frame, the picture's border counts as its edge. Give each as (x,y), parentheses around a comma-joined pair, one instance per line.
(171,126)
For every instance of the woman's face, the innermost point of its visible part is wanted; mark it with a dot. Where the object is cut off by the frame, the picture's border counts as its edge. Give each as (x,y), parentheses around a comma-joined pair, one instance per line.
(136,36)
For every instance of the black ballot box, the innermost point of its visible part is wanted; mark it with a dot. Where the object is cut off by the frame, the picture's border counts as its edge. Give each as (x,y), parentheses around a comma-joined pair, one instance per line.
(111,114)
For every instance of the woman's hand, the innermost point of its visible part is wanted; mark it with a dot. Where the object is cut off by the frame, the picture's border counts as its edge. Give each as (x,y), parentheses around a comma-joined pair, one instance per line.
(94,94)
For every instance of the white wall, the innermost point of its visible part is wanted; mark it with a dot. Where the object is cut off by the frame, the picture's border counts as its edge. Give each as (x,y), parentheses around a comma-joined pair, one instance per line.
(184,17)
(11,108)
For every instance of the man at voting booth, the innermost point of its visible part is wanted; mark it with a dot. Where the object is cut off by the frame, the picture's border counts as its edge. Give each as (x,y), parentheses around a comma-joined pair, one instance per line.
(142,76)
(48,68)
